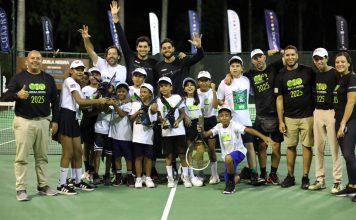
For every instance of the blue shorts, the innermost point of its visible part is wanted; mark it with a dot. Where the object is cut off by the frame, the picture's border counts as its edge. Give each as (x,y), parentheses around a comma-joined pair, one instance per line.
(237,157)
(145,150)
(122,148)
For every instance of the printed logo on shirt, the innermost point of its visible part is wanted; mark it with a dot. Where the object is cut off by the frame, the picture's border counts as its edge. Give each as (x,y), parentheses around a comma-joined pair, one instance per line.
(37,86)
(295,86)
(226,140)
(240,99)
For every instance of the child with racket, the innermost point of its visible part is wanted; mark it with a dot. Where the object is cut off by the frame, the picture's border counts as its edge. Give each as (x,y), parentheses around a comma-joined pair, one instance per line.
(193,110)
(232,148)
(171,115)
(143,134)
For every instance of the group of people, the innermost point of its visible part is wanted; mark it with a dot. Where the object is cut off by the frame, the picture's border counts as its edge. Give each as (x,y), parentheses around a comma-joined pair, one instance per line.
(121,113)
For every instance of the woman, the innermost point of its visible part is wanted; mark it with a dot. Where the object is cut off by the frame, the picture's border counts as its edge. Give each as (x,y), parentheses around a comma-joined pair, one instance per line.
(345,115)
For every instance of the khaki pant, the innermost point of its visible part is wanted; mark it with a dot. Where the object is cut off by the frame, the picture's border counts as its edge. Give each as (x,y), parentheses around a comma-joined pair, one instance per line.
(299,128)
(31,134)
(324,124)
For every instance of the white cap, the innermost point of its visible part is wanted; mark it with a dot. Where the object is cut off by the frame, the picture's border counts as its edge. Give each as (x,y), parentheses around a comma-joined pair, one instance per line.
(165,79)
(140,70)
(321,52)
(77,63)
(94,69)
(188,79)
(256,51)
(148,86)
(236,58)
(205,74)
(123,84)
(224,107)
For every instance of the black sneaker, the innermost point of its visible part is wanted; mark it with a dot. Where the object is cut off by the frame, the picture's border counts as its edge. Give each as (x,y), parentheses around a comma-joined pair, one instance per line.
(66,190)
(46,190)
(245,174)
(118,180)
(130,180)
(256,181)
(70,182)
(154,174)
(288,181)
(348,191)
(354,199)
(305,182)
(230,187)
(106,179)
(96,179)
(84,186)
(273,178)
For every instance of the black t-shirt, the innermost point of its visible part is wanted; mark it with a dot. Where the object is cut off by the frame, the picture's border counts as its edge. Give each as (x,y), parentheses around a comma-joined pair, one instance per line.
(325,83)
(178,70)
(133,62)
(345,84)
(262,83)
(42,95)
(296,87)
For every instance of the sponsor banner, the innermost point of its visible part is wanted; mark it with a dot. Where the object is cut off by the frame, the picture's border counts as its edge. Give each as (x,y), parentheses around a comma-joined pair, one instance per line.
(234,31)
(154,27)
(115,37)
(4,32)
(272,29)
(342,33)
(194,26)
(47,34)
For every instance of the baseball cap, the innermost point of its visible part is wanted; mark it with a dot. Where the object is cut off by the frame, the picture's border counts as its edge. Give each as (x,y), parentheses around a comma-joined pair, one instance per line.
(123,84)
(224,107)
(165,79)
(205,74)
(140,70)
(188,79)
(77,63)
(256,51)
(321,52)
(236,58)
(148,86)
(94,69)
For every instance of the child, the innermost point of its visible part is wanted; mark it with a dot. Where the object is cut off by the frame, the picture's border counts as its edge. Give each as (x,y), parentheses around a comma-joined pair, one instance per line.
(138,78)
(121,133)
(173,133)
(193,110)
(207,96)
(143,135)
(232,148)
(69,131)
(236,97)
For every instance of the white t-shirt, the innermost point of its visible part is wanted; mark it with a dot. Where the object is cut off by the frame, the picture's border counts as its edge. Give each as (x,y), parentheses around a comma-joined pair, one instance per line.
(67,100)
(206,98)
(88,92)
(108,71)
(102,123)
(191,110)
(173,101)
(132,91)
(142,134)
(120,128)
(230,138)
(236,96)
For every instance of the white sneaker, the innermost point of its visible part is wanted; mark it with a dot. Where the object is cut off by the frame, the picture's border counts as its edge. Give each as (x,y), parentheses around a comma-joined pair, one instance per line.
(214,180)
(85,176)
(171,183)
(144,178)
(138,183)
(196,181)
(186,182)
(149,182)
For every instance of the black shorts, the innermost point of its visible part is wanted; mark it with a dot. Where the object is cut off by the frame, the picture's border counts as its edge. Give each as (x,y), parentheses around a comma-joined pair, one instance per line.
(191,132)
(247,138)
(174,145)
(209,123)
(145,150)
(87,129)
(103,143)
(122,148)
(262,126)
(68,124)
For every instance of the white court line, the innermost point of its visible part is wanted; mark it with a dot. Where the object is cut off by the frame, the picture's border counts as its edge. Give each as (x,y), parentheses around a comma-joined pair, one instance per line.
(7,142)
(167,208)
(4,129)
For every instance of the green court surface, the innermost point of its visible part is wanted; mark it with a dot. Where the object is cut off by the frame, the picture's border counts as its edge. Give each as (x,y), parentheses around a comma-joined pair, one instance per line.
(207,202)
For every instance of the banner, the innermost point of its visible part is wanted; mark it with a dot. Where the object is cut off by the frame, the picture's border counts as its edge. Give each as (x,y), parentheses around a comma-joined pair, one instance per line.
(4,32)
(342,33)
(234,31)
(154,33)
(115,37)
(272,30)
(194,26)
(47,31)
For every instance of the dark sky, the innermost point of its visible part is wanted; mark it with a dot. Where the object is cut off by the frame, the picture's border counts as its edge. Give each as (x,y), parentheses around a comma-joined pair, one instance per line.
(319,28)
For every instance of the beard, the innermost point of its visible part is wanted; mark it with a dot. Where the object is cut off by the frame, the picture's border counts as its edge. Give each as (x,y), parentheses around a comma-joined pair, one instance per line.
(168,55)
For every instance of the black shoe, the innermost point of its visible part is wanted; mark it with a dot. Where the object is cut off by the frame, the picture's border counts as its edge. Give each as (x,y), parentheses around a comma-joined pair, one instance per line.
(273,178)
(154,174)
(106,179)
(230,187)
(256,181)
(245,174)
(84,186)
(130,180)
(305,182)
(66,190)
(348,191)
(288,181)
(354,199)
(96,179)
(118,179)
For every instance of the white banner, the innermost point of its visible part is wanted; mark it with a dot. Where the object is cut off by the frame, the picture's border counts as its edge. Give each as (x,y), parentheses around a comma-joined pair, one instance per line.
(234,31)
(154,27)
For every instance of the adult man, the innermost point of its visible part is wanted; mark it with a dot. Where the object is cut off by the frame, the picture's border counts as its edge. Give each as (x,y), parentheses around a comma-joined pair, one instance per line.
(324,121)
(262,79)
(35,94)
(108,67)
(295,105)
(178,69)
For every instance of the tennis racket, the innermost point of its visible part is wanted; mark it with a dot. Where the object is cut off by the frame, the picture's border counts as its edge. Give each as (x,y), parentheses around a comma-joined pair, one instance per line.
(197,155)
